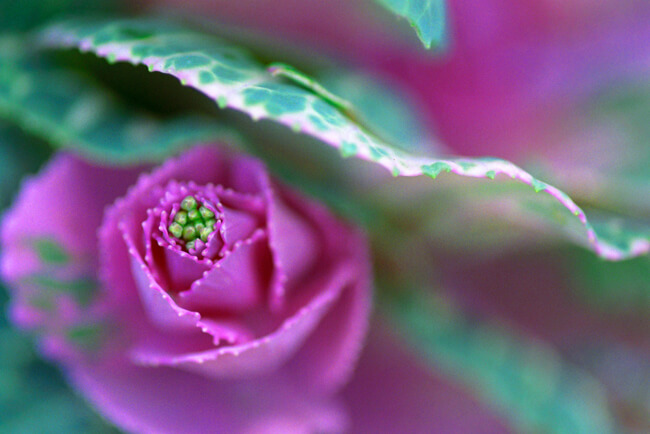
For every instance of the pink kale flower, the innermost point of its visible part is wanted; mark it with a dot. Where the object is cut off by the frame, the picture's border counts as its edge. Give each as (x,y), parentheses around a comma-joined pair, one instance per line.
(206,297)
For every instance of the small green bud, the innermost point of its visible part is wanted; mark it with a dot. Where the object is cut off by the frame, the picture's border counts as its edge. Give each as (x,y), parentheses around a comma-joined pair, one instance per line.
(181,218)
(194,215)
(189,233)
(210,224)
(176,230)
(205,233)
(189,203)
(206,213)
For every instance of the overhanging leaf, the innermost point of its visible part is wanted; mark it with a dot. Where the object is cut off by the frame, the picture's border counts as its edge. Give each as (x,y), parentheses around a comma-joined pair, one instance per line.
(71,112)
(620,287)
(526,380)
(233,78)
(427,17)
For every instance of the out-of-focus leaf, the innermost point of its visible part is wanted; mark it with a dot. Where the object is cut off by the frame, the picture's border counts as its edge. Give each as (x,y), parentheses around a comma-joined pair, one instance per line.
(525,379)
(621,287)
(626,108)
(233,78)
(19,155)
(427,17)
(607,160)
(71,112)
(26,14)
(625,371)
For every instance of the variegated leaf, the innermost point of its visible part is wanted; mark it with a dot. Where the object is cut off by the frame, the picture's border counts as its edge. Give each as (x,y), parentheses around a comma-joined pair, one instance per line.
(71,112)
(234,79)
(427,17)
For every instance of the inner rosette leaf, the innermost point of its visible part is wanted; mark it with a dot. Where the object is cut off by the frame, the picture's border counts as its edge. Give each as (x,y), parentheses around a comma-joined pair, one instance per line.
(210,246)
(232,274)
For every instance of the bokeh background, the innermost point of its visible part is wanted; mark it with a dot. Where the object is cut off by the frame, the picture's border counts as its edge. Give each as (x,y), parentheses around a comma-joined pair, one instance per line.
(559,87)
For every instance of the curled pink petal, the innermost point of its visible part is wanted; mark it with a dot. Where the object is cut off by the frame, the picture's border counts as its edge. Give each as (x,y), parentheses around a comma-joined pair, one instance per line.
(294,244)
(161,309)
(328,359)
(263,354)
(235,283)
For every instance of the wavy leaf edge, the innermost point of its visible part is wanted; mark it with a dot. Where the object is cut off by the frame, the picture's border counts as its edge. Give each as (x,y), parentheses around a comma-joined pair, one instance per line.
(133,41)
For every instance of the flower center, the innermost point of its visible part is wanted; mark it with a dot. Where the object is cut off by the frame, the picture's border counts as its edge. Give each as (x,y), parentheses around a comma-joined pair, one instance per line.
(193,222)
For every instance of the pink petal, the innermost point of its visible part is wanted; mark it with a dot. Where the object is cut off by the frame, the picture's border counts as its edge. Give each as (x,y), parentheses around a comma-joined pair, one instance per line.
(294,243)
(237,226)
(263,354)
(164,400)
(236,282)
(159,306)
(328,358)
(182,269)
(245,175)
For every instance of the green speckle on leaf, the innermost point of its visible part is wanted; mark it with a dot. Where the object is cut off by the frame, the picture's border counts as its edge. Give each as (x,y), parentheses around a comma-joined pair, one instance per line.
(433,170)
(376,153)
(466,165)
(83,289)
(291,73)
(87,336)
(329,114)
(348,149)
(538,185)
(222,102)
(227,75)
(427,17)
(122,34)
(50,251)
(276,100)
(206,77)
(317,121)
(189,61)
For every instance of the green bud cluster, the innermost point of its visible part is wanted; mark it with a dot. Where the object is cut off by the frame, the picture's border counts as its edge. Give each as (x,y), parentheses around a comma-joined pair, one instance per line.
(192,222)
